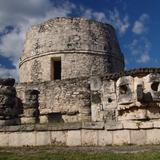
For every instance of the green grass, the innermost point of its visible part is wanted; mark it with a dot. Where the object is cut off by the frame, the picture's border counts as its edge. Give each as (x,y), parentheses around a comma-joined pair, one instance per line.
(44,155)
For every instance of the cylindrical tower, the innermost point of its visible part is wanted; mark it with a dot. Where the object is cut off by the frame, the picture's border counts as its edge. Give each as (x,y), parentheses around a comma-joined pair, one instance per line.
(68,48)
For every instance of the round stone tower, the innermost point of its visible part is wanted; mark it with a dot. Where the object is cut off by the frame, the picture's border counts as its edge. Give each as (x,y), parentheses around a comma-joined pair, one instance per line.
(68,48)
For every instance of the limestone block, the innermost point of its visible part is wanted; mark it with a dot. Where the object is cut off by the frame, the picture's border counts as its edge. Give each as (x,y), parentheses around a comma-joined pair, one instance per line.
(89,137)
(114,126)
(130,125)
(4,139)
(108,87)
(58,138)
(138,137)
(28,138)
(146,125)
(25,120)
(43,119)
(70,118)
(92,125)
(96,112)
(121,137)
(104,138)
(15,139)
(43,138)
(153,136)
(156,124)
(74,138)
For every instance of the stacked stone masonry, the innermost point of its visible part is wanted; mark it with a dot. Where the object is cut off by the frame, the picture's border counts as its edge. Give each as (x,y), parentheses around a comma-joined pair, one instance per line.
(84,47)
(73,90)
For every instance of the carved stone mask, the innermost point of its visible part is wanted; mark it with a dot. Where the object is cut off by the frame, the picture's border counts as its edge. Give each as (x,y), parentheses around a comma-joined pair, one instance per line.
(138,98)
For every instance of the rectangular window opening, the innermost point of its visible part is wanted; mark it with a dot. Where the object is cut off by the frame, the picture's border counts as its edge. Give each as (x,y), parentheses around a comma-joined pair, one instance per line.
(56,68)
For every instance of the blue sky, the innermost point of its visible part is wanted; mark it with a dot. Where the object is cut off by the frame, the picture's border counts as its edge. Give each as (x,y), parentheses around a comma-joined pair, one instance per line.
(137,24)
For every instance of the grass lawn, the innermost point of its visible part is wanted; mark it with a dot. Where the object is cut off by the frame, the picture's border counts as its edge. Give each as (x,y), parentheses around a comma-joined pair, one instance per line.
(49,155)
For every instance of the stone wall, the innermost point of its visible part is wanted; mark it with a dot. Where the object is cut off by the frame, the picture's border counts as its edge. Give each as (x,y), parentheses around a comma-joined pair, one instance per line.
(80,134)
(73,65)
(68,99)
(84,46)
(127,98)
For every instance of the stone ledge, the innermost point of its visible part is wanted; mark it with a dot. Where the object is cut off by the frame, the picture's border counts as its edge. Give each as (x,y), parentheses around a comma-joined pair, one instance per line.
(53,127)
(114,126)
(110,126)
(93,125)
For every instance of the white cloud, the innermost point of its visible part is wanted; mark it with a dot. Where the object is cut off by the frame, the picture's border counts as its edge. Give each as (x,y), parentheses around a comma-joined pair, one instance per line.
(121,23)
(144,58)
(22,14)
(140,26)
(90,14)
(140,49)
(8,73)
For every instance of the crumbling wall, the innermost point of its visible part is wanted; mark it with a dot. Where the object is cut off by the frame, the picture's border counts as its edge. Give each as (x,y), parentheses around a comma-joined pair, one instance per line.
(65,98)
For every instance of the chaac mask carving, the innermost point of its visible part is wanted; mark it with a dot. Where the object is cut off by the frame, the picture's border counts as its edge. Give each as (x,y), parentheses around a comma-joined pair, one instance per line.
(127,96)
(138,98)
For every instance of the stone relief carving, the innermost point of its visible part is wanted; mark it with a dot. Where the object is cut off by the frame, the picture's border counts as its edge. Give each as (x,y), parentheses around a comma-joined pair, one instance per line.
(138,98)
(133,98)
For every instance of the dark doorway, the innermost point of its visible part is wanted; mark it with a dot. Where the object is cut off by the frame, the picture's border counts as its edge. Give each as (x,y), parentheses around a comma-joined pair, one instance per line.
(56,68)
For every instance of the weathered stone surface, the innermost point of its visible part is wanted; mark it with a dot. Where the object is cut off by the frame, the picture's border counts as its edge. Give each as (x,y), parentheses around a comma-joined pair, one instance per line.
(30,120)
(15,139)
(114,126)
(43,119)
(85,47)
(93,125)
(146,125)
(74,138)
(43,138)
(89,137)
(110,115)
(4,139)
(104,138)
(96,83)
(66,126)
(153,136)
(121,137)
(27,127)
(12,128)
(9,106)
(138,137)
(57,98)
(28,139)
(156,124)
(59,138)
(21,139)
(130,125)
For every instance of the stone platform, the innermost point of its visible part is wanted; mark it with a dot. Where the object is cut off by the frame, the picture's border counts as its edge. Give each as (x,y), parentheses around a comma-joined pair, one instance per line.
(80,134)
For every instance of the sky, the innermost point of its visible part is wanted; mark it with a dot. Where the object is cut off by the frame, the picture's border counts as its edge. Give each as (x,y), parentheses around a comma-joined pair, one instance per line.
(137,24)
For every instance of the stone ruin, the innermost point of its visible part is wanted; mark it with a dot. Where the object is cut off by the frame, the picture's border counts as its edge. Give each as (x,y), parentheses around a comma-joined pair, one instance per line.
(73,90)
